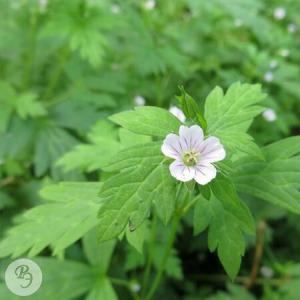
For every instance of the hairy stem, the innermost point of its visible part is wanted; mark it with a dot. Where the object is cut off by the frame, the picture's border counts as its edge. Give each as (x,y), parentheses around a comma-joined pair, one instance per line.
(166,254)
(150,256)
(261,228)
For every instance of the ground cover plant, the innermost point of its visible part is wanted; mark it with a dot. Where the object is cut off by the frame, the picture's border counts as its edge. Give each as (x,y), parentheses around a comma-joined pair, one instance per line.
(151,149)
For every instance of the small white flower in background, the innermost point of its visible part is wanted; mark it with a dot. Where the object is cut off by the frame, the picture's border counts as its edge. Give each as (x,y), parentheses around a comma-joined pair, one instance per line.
(139,100)
(115,8)
(268,76)
(284,52)
(15,4)
(266,272)
(193,154)
(178,113)
(270,115)
(273,64)
(43,5)
(292,28)
(149,4)
(135,287)
(279,13)
(238,22)
(115,66)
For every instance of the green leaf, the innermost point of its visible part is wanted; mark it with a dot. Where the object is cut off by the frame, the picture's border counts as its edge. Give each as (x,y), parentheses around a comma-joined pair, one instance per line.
(27,105)
(137,237)
(173,264)
(90,157)
(98,254)
(104,145)
(228,220)
(229,116)
(191,109)
(61,280)
(235,292)
(275,180)
(52,142)
(165,203)
(148,120)
(102,291)
(128,195)
(71,213)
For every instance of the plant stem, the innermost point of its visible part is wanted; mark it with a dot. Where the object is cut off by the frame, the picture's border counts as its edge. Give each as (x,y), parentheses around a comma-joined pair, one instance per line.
(150,257)
(167,251)
(54,79)
(29,57)
(261,228)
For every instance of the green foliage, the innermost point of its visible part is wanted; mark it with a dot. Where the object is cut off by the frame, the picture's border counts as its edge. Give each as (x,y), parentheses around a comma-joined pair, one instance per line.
(190,108)
(66,66)
(228,219)
(127,196)
(229,116)
(75,202)
(148,121)
(275,180)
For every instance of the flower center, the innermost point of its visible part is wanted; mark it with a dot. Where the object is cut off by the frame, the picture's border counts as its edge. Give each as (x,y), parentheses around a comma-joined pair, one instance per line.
(190,158)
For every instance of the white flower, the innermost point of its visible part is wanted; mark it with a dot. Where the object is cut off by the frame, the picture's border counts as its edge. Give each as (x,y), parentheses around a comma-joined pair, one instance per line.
(135,287)
(270,115)
(273,64)
(15,4)
(178,113)
(284,52)
(193,154)
(238,22)
(139,100)
(266,272)
(268,76)
(149,4)
(115,8)
(43,5)
(279,13)
(292,28)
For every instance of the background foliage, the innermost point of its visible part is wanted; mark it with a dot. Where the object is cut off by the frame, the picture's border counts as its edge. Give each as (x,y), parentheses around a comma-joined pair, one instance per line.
(65,66)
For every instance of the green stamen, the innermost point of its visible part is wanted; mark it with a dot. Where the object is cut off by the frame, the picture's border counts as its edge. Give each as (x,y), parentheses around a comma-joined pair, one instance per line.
(190,158)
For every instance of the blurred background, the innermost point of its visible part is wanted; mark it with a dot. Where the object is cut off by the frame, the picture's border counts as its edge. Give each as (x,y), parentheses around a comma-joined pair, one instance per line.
(67,65)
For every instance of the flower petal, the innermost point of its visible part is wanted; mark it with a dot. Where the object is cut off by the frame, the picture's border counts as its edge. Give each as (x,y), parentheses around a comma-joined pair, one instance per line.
(211,150)
(204,173)
(190,137)
(171,146)
(181,172)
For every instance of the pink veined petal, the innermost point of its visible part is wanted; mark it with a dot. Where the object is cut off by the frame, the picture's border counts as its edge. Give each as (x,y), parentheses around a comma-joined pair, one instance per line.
(211,150)
(181,172)
(171,146)
(191,137)
(204,173)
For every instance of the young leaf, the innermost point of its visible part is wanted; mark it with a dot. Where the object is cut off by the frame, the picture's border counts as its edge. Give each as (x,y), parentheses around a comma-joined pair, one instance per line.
(74,202)
(137,237)
(102,290)
(228,220)
(148,120)
(190,108)
(229,116)
(128,195)
(275,180)
(27,105)
(98,254)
